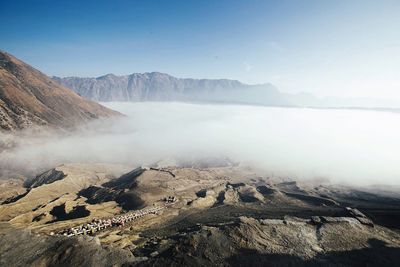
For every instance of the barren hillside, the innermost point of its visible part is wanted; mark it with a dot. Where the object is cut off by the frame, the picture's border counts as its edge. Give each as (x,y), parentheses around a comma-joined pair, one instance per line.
(28,97)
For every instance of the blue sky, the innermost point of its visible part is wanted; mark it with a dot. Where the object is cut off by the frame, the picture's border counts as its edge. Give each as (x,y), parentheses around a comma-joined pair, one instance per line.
(339,48)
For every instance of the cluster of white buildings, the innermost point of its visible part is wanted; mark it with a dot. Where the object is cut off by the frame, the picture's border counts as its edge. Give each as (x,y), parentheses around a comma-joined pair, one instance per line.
(100,224)
(120,220)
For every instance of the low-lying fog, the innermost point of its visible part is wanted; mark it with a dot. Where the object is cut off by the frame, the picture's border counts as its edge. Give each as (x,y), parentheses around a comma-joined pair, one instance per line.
(351,146)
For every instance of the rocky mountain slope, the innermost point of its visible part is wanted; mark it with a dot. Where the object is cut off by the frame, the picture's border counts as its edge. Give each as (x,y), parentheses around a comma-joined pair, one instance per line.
(274,242)
(157,86)
(28,97)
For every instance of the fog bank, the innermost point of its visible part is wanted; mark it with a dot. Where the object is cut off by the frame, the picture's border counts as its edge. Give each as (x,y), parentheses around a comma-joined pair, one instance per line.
(345,146)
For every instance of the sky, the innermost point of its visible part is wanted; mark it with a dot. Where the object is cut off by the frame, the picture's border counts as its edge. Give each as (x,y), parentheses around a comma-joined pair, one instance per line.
(327,48)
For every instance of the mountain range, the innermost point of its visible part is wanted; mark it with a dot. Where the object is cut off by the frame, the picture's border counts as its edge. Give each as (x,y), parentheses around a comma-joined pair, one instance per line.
(156,86)
(29,97)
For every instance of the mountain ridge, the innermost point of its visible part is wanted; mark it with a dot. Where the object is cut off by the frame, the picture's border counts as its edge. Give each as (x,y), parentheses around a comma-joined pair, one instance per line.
(30,98)
(157,86)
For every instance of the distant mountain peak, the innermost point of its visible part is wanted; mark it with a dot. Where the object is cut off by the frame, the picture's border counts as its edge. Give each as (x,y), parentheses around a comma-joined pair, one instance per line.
(109,75)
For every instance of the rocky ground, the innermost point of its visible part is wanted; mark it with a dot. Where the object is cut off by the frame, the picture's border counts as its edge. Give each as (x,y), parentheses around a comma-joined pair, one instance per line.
(227,216)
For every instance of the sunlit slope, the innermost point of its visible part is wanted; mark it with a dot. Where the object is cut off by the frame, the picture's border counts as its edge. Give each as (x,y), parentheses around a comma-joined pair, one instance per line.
(28,97)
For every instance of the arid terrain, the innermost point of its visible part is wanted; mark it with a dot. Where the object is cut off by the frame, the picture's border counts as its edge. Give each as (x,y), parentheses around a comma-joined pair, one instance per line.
(226,216)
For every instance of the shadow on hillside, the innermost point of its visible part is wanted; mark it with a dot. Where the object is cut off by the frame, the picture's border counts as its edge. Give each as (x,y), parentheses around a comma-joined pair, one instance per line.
(120,190)
(60,213)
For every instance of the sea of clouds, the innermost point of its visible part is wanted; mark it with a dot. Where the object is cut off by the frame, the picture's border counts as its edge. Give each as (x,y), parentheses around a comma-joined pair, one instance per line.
(344,146)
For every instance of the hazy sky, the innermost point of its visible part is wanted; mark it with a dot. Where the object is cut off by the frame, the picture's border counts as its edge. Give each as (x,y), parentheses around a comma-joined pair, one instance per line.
(339,48)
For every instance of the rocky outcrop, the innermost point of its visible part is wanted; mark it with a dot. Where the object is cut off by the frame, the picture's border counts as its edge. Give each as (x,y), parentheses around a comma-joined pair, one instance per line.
(47,177)
(30,98)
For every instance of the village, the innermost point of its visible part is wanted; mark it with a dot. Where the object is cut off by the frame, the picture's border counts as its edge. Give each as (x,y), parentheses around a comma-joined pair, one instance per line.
(118,221)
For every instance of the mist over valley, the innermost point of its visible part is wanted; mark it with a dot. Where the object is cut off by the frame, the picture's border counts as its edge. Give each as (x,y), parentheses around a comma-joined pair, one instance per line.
(341,146)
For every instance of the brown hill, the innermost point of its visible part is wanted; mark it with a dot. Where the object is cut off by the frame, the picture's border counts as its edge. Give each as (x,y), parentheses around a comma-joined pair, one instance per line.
(28,97)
